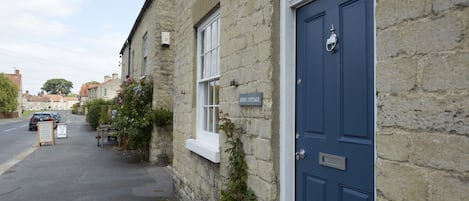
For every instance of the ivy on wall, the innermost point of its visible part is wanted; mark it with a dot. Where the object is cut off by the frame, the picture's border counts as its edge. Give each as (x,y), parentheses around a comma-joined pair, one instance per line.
(236,188)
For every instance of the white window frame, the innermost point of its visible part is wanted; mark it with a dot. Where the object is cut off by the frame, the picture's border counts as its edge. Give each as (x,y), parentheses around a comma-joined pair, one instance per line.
(206,143)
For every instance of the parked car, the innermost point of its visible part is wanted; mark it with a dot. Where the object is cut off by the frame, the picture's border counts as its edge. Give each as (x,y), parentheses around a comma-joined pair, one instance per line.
(57,117)
(41,116)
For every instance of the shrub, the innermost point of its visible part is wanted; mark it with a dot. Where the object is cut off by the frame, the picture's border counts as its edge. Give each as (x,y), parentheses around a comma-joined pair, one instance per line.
(95,109)
(163,117)
(135,115)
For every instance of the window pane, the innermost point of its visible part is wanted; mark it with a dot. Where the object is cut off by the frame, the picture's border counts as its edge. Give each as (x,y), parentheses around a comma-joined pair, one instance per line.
(207,66)
(216,119)
(217,90)
(202,42)
(208,38)
(213,94)
(206,116)
(202,63)
(214,62)
(218,61)
(215,34)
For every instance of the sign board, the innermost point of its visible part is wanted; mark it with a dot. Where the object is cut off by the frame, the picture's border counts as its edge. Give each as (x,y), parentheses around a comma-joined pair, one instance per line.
(251,99)
(61,130)
(45,132)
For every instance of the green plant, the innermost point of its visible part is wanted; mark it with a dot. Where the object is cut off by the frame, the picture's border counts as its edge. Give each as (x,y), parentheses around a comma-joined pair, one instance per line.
(162,117)
(236,188)
(104,115)
(75,108)
(135,115)
(95,109)
(8,94)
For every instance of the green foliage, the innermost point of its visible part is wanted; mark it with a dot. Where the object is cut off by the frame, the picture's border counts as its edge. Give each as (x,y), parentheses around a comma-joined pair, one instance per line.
(75,108)
(8,94)
(95,110)
(135,115)
(236,188)
(57,86)
(104,115)
(163,117)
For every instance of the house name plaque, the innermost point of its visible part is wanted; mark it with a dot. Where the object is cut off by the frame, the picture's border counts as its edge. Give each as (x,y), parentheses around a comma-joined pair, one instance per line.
(250,99)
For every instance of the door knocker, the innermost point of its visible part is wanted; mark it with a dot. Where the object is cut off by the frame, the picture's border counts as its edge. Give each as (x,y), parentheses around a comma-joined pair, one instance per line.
(332,40)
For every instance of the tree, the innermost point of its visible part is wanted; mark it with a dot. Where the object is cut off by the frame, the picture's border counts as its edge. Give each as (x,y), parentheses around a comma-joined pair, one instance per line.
(57,86)
(8,94)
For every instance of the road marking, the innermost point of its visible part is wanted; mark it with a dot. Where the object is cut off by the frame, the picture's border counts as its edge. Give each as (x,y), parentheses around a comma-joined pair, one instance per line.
(8,130)
(24,126)
(7,165)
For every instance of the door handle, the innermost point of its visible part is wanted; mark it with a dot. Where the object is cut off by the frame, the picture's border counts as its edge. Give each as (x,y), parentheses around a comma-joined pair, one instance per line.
(300,154)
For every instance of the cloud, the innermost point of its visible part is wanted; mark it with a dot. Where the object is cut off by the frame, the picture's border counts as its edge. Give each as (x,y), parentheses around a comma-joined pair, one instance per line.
(66,39)
(45,8)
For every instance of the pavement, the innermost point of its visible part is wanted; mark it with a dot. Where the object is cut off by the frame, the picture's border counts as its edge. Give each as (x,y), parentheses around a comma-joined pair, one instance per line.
(76,169)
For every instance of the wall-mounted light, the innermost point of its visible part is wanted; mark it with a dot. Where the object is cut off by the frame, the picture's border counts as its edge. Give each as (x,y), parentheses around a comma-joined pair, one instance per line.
(234,83)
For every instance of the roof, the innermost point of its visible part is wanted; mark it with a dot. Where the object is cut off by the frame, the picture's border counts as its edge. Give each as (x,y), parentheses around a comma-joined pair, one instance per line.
(84,89)
(15,78)
(146,5)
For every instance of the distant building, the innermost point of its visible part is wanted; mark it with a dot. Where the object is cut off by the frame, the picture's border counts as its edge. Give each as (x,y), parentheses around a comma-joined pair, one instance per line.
(83,94)
(48,102)
(16,78)
(107,90)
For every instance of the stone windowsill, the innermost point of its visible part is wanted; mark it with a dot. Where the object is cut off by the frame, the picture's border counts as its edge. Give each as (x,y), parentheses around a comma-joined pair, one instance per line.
(204,149)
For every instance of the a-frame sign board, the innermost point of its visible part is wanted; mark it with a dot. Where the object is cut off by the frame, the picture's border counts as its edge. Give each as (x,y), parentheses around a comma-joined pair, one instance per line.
(45,132)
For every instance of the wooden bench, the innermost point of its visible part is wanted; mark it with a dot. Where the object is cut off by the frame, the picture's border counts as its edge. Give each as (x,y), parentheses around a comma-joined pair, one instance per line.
(106,131)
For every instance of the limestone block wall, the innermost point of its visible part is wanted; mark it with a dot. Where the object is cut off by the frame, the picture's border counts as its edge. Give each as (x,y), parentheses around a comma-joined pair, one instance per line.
(154,18)
(161,60)
(248,54)
(422,83)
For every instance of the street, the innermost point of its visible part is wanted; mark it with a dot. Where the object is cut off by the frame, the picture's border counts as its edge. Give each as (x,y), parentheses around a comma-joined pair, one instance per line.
(75,168)
(15,138)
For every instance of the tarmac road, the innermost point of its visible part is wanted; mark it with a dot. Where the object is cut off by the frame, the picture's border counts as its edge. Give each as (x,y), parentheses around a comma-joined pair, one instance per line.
(75,169)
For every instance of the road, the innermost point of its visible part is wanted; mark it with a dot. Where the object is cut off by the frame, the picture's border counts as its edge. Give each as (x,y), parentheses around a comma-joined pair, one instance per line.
(15,138)
(16,141)
(75,169)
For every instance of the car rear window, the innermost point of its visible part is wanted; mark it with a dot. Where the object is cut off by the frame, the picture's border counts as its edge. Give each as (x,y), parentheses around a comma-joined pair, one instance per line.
(42,116)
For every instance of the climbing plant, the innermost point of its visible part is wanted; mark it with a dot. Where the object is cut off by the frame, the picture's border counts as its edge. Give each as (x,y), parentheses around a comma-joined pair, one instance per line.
(134,117)
(236,188)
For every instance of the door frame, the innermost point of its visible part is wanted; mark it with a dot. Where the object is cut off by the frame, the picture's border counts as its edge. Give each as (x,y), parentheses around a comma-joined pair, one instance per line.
(287,96)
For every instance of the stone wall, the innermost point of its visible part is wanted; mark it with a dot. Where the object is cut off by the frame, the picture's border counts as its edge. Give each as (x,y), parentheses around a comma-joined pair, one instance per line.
(162,58)
(422,82)
(249,41)
(154,18)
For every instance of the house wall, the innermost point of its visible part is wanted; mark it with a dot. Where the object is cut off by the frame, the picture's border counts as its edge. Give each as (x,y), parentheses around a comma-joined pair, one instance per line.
(249,49)
(422,83)
(111,87)
(154,18)
(49,105)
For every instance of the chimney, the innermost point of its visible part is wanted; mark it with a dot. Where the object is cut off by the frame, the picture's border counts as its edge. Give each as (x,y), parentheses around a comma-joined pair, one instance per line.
(107,78)
(17,71)
(114,76)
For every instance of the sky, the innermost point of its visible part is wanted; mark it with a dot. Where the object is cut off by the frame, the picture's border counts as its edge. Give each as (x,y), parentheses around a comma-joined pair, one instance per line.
(77,40)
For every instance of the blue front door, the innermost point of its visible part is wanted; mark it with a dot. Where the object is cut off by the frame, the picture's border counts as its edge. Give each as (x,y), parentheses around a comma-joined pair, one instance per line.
(335,101)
